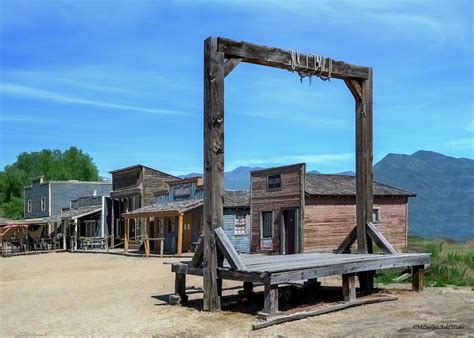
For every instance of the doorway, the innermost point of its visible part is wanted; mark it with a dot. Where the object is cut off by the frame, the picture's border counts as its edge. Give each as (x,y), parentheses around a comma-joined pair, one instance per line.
(289,225)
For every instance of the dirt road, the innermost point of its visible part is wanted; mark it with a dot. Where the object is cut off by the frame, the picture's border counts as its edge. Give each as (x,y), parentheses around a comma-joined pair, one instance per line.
(97,294)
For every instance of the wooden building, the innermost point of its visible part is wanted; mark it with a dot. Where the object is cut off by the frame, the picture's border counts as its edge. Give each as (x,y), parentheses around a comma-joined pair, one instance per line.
(176,218)
(132,188)
(293,211)
(49,198)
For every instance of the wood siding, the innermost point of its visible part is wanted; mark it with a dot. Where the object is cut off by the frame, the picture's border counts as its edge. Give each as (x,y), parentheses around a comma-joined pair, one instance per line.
(240,242)
(262,199)
(153,182)
(329,219)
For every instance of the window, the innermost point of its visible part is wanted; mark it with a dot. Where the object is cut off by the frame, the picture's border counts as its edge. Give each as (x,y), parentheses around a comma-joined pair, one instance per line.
(376,216)
(240,223)
(29,206)
(274,181)
(43,204)
(267,224)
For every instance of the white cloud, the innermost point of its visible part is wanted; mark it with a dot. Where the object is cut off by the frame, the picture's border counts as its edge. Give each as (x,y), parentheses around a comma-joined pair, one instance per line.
(13,89)
(462,143)
(308,159)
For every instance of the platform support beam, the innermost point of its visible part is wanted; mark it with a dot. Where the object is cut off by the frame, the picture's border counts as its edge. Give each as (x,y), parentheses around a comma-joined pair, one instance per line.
(179,296)
(418,278)
(349,287)
(270,299)
(213,168)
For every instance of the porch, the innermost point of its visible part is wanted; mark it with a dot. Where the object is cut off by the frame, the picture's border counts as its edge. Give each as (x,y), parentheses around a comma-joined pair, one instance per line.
(171,228)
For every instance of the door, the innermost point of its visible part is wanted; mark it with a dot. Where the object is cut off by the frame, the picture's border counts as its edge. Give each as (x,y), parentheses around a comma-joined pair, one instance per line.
(289,223)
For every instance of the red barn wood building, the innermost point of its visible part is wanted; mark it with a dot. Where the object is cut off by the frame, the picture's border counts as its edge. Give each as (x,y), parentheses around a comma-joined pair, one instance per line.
(293,211)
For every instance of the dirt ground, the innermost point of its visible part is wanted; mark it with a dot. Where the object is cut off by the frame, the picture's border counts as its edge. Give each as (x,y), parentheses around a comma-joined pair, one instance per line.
(98,294)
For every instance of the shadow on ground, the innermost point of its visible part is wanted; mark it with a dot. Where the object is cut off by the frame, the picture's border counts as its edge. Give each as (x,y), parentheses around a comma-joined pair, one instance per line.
(292,298)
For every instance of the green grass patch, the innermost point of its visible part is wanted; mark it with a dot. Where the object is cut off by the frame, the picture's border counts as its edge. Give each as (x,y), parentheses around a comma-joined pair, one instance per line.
(452,263)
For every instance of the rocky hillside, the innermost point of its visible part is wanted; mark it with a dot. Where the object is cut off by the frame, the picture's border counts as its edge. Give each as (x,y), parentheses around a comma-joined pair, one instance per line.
(444,206)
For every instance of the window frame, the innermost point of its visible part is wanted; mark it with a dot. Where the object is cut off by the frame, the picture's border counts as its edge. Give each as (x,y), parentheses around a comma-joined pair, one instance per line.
(239,233)
(29,207)
(43,203)
(376,211)
(261,224)
(268,183)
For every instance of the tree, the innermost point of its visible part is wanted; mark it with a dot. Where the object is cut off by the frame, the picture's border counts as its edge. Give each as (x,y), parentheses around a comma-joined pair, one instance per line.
(72,164)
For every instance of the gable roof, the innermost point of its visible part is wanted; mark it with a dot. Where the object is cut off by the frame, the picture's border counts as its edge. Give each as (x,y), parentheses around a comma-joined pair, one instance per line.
(342,185)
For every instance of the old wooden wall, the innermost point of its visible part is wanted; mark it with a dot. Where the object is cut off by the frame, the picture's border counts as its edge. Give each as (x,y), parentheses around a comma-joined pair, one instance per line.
(328,220)
(262,199)
(153,182)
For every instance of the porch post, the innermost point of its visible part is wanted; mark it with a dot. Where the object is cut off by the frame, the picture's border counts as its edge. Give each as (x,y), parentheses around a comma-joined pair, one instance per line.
(64,235)
(125,235)
(180,234)
(145,235)
(75,234)
(112,225)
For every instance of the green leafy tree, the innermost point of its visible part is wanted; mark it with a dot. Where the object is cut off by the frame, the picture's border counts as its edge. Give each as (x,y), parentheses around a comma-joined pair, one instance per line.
(72,164)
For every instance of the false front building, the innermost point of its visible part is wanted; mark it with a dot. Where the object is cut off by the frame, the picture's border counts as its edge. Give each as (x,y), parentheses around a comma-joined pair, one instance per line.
(293,211)
(175,221)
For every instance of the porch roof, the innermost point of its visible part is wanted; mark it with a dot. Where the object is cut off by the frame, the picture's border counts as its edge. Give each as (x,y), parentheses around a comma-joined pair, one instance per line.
(74,214)
(175,207)
(232,199)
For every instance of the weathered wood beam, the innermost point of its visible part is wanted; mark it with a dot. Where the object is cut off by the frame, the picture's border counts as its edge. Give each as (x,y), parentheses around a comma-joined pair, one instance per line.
(180,234)
(147,242)
(270,295)
(179,296)
(125,235)
(279,58)
(222,273)
(112,224)
(213,167)
(378,263)
(348,287)
(230,64)
(379,239)
(301,315)
(364,190)
(228,250)
(198,254)
(345,246)
(418,278)
(355,88)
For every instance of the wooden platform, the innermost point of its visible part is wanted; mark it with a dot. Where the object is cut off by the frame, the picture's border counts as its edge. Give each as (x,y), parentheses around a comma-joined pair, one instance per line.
(272,270)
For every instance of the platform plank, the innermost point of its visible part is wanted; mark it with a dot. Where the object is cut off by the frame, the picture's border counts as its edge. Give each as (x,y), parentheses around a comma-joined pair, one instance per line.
(289,268)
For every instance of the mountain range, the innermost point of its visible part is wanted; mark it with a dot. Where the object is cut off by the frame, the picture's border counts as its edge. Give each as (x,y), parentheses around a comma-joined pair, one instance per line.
(444,185)
(444,205)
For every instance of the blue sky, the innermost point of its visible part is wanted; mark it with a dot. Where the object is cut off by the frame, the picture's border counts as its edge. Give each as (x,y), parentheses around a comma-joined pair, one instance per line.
(122,80)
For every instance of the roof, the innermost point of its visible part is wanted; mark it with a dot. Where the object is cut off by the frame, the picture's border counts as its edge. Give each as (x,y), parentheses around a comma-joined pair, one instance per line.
(232,199)
(272,169)
(7,222)
(107,182)
(342,185)
(236,198)
(175,206)
(74,213)
(139,166)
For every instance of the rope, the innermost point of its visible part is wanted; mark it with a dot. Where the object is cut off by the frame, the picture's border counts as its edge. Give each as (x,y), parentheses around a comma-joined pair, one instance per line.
(318,66)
